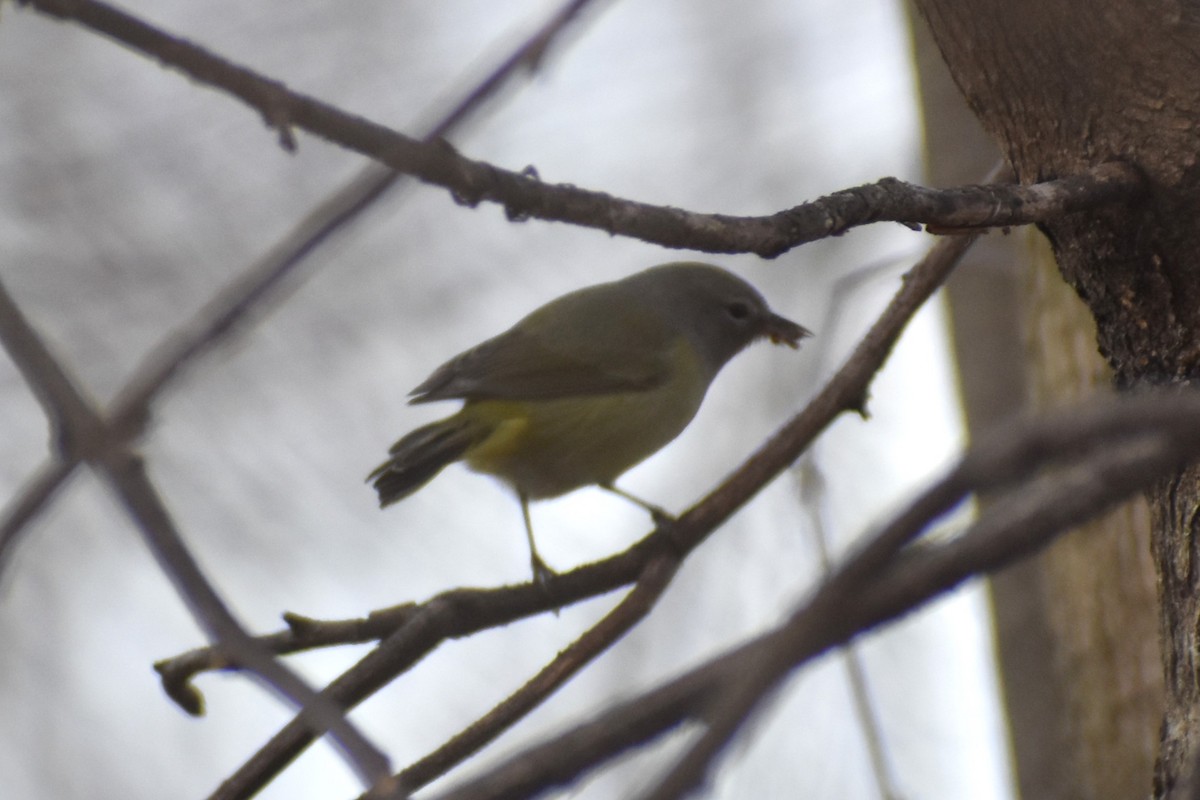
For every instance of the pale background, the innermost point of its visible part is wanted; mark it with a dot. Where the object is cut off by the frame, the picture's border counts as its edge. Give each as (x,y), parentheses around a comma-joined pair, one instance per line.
(128,195)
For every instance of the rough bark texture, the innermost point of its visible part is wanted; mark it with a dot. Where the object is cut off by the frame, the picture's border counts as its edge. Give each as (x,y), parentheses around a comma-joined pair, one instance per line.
(1098,584)
(1066,84)
(1076,627)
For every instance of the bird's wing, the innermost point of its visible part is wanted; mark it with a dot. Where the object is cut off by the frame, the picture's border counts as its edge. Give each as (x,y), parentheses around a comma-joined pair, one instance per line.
(551,355)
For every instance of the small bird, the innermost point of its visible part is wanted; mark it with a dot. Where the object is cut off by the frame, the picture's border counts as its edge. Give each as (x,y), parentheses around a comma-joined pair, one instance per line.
(585,387)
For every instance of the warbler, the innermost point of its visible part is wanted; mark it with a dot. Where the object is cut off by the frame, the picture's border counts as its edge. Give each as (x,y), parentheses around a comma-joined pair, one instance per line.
(585,387)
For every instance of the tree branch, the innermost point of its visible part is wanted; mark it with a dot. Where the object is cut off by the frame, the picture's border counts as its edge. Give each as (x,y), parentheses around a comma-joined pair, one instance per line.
(523,195)
(433,622)
(1113,449)
(637,604)
(73,416)
(261,283)
(83,434)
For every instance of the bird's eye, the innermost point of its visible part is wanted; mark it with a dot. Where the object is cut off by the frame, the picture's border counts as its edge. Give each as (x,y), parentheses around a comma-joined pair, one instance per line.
(738,310)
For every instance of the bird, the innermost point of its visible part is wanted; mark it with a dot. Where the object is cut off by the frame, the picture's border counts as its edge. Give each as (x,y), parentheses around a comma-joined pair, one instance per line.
(585,386)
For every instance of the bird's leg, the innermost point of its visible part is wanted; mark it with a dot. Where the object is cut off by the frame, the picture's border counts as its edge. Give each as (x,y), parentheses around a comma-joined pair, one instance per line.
(661,518)
(541,572)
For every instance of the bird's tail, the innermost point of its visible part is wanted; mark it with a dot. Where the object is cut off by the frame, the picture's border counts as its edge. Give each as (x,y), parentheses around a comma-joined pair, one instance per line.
(422,454)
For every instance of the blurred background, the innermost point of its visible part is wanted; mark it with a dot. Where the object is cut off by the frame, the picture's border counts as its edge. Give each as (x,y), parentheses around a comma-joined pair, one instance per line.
(129,196)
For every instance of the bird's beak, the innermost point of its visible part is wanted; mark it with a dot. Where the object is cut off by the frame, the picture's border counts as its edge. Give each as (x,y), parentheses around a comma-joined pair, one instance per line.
(783,331)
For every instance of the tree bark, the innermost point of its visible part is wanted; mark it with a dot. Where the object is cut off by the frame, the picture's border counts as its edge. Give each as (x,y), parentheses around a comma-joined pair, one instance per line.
(1079,620)
(1097,583)
(1063,85)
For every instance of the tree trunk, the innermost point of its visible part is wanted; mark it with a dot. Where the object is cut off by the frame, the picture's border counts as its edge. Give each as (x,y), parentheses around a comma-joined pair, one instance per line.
(1098,583)
(1063,85)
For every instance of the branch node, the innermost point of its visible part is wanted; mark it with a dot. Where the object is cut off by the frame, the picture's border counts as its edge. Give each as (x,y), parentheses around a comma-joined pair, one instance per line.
(277,114)
(300,625)
(515,214)
(671,539)
(178,686)
(859,405)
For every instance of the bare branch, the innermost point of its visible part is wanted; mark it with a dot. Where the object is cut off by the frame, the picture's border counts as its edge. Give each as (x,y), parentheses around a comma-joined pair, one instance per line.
(471,610)
(34,495)
(636,605)
(432,622)
(452,614)
(221,318)
(811,489)
(558,762)
(77,429)
(261,281)
(524,196)
(425,627)
(85,433)
(84,430)
(529,56)
(73,415)
(1114,448)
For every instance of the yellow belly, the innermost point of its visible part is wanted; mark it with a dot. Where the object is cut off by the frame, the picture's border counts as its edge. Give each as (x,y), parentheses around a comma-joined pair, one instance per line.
(547,448)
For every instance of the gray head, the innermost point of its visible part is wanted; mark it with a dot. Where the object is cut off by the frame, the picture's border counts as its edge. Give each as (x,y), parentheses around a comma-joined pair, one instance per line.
(719,312)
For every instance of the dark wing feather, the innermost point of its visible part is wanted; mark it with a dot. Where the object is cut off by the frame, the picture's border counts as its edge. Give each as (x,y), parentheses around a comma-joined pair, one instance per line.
(557,352)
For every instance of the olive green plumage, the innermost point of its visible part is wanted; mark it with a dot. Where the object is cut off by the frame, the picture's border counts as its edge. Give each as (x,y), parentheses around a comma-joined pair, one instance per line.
(586,386)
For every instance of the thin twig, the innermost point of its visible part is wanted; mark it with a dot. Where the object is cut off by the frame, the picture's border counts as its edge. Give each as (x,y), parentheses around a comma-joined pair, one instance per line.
(495,607)
(475,186)
(262,282)
(1119,448)
(636,605)
(523,195)
(81,428)
(72,415)
(810,483)
(452,614)
(1123,449)
(32,498)
(845,391)
(75,426)
(426,629)
(332,215)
